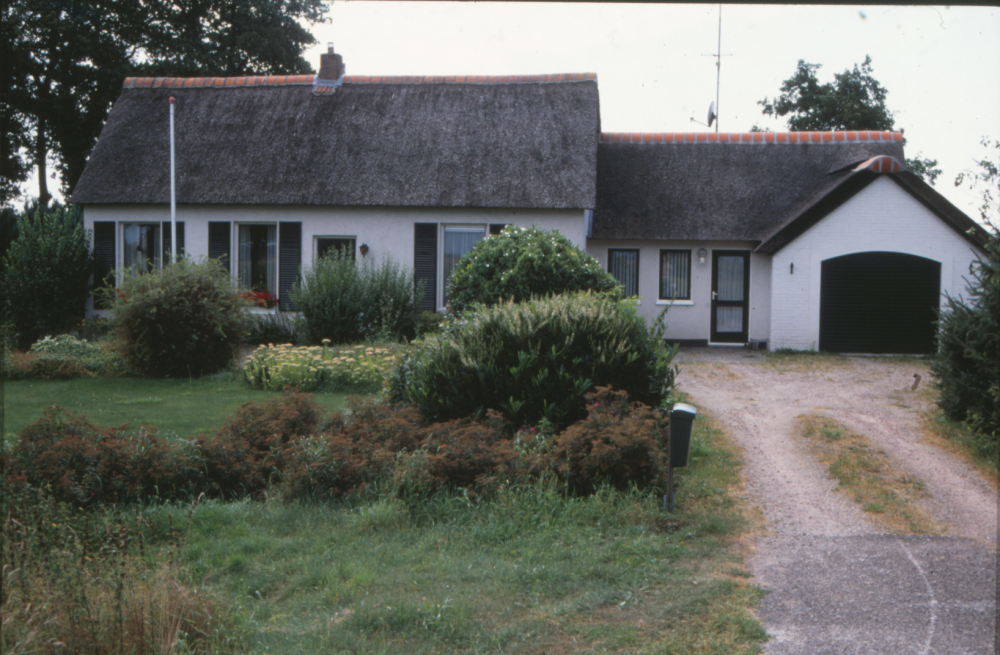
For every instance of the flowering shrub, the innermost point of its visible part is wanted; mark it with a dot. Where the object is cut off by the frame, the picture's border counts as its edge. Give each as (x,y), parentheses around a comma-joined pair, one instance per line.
(65,356)
(308,368)
(259,298)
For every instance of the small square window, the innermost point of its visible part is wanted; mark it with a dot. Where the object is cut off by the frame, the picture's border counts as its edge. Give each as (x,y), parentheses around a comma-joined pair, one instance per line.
(624,267)
(675,275)
(326,244)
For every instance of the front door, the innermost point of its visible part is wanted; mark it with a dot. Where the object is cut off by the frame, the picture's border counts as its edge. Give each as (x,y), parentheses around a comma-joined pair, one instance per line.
(730,296)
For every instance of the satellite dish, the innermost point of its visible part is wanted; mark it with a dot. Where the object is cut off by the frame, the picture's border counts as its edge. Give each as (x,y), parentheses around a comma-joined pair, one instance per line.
(711,114)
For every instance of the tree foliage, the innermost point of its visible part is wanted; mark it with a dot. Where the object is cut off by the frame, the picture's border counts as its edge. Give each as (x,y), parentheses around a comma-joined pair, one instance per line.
(521,263)
(47,274)
(64,62)
(854,100)
(967,367)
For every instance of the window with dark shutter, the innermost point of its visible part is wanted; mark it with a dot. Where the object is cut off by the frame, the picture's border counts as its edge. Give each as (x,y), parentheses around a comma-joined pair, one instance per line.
(425,263)
(165,255)
(497,228)
(219,235)
(104,259)
(289,261)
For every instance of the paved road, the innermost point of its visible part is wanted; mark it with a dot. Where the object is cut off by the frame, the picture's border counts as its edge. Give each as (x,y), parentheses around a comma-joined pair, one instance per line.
(838,585)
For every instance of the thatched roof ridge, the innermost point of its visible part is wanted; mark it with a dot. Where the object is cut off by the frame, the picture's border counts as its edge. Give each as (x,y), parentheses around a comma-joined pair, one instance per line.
(724,190)
(512,144)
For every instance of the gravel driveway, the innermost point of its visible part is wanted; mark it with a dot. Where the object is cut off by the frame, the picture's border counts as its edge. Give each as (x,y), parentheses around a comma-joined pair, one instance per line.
(839,584)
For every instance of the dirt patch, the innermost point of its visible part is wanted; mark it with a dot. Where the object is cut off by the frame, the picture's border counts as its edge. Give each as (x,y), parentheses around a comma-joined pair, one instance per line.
(758,398)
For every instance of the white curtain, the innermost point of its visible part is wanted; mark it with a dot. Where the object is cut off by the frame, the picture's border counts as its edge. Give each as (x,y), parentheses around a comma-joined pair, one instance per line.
(141,246)
(624,266)
(675,274)
(258,253)
(457,242)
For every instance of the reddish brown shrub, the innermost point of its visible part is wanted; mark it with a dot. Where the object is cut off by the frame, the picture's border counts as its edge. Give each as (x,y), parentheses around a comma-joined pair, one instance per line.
(333,466)
(617,444)
(393,427)
(86,464)
(248,451)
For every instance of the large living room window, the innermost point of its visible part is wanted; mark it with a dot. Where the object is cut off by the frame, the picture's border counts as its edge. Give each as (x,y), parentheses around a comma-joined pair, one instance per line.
(258,257)
(458,240)
(141,246)
(675,275)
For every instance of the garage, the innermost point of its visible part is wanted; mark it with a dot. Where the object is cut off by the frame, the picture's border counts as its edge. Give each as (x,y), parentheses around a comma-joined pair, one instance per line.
(879,302)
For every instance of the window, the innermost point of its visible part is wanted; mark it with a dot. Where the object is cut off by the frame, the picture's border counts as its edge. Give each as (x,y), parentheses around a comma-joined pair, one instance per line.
(258,258)
(675,275)
(141,246)
(624,267)
(458,240)
(325,244)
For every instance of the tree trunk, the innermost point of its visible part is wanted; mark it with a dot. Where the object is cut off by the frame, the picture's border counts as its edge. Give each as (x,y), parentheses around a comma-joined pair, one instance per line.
(41,154)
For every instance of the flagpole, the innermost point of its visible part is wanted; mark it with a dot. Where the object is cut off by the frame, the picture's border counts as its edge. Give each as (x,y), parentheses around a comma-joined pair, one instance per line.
(173,201)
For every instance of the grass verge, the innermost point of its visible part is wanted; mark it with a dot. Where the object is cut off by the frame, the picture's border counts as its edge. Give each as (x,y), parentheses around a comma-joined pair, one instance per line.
(182,407)
(866,475)
(958,438)
(529,571)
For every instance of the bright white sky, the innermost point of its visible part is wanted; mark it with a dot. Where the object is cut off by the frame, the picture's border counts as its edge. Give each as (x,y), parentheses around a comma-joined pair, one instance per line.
(656,68)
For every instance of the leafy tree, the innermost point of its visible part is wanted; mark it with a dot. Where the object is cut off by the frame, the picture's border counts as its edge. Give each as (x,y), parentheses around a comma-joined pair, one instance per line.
(521,263)
(64,62)
(967,367)
(46,274)
(853,101)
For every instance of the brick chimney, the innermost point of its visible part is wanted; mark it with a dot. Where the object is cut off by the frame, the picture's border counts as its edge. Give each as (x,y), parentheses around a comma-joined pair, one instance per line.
(331,65)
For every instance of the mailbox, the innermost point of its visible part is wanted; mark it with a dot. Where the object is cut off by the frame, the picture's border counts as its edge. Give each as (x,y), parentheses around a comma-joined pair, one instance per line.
(681,422)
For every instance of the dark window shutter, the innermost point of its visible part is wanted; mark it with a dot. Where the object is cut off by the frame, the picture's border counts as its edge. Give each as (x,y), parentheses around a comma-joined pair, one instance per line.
(425,263)
(219,235)
(497,228)
(165,240)
(104,258)
(289,261)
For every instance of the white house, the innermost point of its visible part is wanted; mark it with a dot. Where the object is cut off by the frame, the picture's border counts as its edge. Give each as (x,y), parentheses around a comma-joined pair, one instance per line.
(801,240)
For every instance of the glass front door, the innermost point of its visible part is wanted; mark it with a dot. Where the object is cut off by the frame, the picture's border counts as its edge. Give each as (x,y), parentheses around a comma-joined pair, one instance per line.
(730,296)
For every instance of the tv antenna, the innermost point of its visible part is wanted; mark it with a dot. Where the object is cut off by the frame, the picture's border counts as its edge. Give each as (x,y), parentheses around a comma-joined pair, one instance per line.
(713,108)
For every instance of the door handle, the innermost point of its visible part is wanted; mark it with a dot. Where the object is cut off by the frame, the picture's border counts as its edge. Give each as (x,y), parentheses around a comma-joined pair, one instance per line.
(713,295)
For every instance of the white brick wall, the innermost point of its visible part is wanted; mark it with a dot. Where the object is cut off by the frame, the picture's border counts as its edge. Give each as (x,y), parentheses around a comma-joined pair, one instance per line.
(882,217)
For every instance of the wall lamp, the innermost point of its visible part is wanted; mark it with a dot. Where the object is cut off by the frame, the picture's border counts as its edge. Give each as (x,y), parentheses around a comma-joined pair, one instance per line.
(702,254)
(791,268)
(363,249)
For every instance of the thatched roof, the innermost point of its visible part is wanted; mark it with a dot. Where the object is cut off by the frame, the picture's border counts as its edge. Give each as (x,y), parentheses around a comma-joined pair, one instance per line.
(721,187)
(517,142)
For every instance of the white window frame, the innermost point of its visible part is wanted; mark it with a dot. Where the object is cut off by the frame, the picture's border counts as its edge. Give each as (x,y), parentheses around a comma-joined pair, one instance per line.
(443,229)
(317,237)
(659,281)
(157,244)
(235,249)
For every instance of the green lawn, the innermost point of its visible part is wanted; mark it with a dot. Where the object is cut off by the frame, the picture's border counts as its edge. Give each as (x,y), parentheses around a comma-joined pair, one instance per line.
(183,407)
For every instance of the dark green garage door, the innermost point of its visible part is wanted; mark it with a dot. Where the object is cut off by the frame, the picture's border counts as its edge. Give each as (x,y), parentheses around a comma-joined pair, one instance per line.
(879,302)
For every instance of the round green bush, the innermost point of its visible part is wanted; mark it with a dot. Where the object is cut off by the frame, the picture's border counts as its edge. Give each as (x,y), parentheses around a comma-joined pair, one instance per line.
(521,263)
(536,360)
(184,320)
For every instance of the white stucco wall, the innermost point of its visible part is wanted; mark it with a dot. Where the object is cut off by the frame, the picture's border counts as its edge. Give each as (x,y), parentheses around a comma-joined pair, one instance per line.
(386,230)
(881,217)
(692,319)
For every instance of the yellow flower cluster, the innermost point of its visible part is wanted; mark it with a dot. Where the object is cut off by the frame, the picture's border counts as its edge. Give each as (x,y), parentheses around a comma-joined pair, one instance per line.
(308,368)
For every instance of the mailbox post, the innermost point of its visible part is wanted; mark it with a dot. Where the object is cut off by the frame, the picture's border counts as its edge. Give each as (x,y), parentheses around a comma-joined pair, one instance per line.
(678,446)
